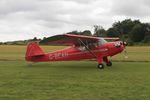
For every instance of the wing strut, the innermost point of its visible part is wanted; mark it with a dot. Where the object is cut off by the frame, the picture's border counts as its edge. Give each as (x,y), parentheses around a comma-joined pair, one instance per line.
(87,48)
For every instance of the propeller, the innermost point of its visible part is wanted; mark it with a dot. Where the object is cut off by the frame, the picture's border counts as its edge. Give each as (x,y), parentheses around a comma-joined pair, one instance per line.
(125,52)
(125,44)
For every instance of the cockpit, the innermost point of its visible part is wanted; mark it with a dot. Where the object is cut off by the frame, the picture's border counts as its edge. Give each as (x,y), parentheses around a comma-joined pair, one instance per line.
(91,46)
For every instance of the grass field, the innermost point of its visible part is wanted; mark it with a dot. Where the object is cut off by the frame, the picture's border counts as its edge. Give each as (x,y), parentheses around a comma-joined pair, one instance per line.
(128,79)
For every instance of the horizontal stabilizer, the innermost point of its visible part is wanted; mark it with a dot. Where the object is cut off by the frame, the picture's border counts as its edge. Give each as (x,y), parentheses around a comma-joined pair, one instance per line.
(33,49)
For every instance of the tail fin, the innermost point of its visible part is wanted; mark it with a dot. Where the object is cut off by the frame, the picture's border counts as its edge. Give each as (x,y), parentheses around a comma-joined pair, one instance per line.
(33,50)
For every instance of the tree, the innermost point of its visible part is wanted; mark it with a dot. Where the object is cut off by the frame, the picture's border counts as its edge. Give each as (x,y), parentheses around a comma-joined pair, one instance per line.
(124,27)
(99,31)
(147,32)
(44,38)
(1,43)
(111,32)
(74,32)
(86,32)
(35,39)
(137,33)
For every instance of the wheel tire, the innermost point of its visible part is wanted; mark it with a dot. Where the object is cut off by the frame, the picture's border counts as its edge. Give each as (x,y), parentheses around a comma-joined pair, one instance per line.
(100,66)
(109,64)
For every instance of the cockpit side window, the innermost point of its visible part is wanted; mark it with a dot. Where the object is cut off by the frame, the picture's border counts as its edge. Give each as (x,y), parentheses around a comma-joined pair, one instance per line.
(92,45)
(89,45)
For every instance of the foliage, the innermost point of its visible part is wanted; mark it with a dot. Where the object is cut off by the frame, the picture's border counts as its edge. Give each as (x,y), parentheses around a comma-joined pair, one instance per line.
(112,32)
(20,42)
(86,32)
(147,33)
(137,33)
(99,31)
(130,31)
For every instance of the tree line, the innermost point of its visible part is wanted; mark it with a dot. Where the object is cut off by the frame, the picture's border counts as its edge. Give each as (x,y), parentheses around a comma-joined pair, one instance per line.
(132,31)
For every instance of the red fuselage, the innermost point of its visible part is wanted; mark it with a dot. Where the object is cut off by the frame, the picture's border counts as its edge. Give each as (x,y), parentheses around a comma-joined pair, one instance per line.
(78,52)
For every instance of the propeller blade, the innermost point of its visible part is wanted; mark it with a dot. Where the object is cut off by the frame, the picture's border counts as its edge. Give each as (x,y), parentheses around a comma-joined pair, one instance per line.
(125,53)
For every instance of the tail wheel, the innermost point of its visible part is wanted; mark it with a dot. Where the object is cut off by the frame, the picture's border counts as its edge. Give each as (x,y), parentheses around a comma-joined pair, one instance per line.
(109,63)
(100,66)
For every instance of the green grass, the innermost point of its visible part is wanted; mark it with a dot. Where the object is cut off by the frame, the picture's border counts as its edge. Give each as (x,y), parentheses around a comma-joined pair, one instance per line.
(141,53)
(76,80)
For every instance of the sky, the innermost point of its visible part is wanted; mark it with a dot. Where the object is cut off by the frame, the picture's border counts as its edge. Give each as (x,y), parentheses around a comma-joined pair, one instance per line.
(24,19)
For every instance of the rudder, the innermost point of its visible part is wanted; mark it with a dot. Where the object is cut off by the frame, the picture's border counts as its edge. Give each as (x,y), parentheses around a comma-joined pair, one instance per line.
(33,50)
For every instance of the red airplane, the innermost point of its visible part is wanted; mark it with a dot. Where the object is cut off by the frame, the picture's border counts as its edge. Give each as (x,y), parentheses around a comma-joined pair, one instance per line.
(80,47)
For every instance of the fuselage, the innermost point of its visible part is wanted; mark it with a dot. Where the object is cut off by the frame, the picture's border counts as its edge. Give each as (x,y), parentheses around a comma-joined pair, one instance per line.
(80,52)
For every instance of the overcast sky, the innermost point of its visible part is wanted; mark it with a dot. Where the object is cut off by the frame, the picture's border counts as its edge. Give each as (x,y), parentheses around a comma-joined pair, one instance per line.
(24,19)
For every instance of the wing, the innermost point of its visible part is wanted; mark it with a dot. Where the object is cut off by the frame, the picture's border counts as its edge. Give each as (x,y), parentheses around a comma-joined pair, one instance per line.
(108,38)
(69,39)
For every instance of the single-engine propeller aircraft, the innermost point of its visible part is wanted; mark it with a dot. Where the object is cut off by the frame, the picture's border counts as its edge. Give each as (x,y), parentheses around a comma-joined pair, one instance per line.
(81,47)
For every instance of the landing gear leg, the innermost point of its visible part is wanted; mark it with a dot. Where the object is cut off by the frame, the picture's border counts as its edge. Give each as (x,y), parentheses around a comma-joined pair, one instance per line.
(100,63)
(108,62)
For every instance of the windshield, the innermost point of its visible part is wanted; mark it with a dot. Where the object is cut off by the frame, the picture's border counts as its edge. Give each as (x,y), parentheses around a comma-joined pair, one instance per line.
(102,41)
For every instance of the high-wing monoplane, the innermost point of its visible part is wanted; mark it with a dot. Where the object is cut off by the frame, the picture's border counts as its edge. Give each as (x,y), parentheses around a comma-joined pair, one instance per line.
(80,47)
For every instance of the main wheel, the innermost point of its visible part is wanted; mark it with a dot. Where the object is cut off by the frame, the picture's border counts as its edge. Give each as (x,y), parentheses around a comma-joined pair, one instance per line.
(109,64)
(100,66)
